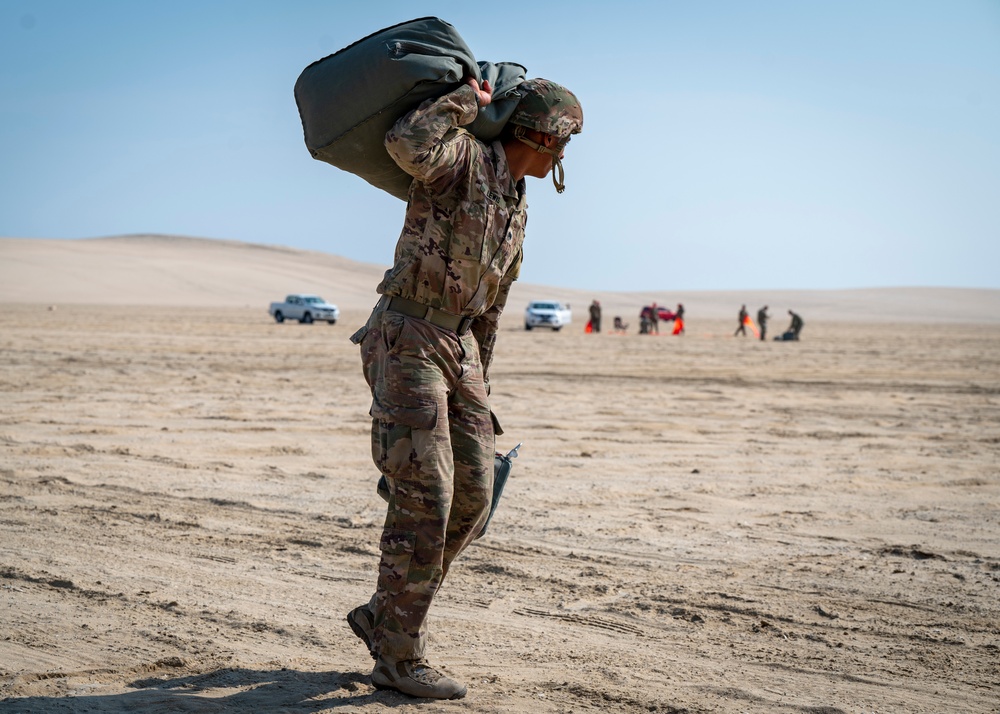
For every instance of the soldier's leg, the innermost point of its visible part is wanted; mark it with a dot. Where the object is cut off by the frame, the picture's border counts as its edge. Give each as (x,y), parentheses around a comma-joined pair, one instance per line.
(412,448)
(473,446)
(413,537)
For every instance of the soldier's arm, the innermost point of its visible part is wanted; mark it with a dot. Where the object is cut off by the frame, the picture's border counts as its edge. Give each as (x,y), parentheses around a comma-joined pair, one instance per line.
(424,142)
(485,326)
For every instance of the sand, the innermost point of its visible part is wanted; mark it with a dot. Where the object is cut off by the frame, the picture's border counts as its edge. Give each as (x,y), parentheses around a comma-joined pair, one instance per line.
(196,272)
(695,524)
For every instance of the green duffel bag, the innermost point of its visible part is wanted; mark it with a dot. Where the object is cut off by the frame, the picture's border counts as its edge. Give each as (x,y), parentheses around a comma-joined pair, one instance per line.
(350,99)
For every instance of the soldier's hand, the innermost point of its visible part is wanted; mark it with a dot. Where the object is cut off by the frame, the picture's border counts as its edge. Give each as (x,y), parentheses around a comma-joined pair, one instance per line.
(484,93)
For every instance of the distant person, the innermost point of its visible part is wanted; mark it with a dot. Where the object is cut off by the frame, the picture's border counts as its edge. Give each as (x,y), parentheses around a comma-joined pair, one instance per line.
(595,316)
(742,329)
(654,320)
(762,322)
(679,320)
(621,326)
(796,327)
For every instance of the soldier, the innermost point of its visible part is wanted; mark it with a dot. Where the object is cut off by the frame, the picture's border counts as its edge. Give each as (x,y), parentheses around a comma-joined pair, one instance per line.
(742,329)
(427,347)
(595,316)
(762,321)
(796,325)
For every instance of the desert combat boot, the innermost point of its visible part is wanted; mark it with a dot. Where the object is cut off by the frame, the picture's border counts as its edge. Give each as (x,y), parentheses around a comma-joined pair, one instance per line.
(362,623)
(416,678)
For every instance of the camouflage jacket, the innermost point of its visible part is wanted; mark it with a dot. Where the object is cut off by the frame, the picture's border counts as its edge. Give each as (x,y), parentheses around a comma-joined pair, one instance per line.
(460,248)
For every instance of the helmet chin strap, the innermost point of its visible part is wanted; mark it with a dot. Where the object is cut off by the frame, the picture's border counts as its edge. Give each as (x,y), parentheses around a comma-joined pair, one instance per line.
(558,175)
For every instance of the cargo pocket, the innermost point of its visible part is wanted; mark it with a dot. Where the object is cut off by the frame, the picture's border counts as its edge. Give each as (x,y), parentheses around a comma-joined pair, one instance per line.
(391,329)
(412,411)
(397,553)
(395,416)
(489,245)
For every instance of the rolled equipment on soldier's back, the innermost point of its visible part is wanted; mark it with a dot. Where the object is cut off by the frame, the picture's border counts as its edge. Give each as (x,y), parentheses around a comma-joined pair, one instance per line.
(349,100)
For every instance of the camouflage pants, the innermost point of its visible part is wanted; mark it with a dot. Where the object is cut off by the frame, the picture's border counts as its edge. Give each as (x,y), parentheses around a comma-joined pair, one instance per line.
(432,438)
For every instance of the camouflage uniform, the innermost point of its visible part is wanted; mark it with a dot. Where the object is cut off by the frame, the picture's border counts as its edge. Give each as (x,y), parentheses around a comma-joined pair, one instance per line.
(762,321)
(432,430)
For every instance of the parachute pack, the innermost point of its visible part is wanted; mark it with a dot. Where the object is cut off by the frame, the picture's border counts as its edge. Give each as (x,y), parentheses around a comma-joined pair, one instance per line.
(349,100)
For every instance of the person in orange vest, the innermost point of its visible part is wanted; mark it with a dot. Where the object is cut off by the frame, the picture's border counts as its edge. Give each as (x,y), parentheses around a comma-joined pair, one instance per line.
(595,316)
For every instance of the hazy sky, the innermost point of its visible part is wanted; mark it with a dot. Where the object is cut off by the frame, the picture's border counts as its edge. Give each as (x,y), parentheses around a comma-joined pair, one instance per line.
(727,144)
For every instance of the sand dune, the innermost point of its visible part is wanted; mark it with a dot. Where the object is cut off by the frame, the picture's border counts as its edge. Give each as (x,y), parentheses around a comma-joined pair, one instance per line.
(169,270)
(695,524)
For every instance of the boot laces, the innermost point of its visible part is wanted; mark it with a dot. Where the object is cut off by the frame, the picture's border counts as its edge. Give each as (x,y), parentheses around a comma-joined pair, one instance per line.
(424,673)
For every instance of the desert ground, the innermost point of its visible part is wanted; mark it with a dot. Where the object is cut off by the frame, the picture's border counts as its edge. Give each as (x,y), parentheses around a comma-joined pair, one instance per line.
(701,523)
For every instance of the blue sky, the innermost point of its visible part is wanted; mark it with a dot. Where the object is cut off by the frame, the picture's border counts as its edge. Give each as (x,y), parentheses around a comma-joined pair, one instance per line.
(727,144)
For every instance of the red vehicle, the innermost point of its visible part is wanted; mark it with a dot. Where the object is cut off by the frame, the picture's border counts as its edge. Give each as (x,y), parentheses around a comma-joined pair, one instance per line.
(663,314)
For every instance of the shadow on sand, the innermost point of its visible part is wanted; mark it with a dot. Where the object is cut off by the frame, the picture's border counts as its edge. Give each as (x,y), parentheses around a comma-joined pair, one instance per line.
(224,690)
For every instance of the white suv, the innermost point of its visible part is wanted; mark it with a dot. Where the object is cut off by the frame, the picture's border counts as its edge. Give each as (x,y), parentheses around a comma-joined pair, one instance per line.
(547,313)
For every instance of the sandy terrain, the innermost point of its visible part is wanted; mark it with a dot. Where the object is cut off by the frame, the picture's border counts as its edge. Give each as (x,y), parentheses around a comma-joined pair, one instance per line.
(195,272)
(695,524)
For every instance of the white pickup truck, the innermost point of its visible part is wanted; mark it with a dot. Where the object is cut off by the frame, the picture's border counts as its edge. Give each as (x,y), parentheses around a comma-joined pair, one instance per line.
(547,313)
(304,308)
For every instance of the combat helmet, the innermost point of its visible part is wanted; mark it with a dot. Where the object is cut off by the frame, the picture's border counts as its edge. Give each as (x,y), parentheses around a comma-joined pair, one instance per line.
(551,109)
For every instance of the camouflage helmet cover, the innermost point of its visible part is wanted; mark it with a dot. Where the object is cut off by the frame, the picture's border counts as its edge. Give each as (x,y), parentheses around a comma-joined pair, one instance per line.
(549,108)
